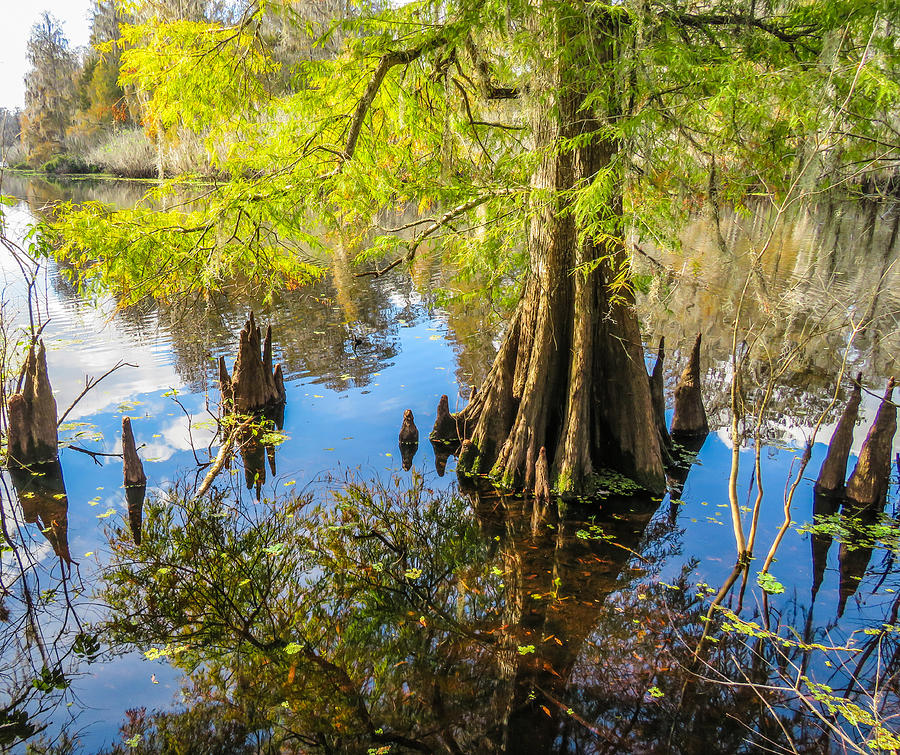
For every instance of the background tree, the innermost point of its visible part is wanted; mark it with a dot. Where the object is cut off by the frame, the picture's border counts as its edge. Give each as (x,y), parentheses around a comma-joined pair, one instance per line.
(49,89)
(101,100)
(10,128)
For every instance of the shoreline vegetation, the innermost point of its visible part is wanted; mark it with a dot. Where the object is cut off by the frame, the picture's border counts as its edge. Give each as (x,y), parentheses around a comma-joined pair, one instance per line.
(125,153)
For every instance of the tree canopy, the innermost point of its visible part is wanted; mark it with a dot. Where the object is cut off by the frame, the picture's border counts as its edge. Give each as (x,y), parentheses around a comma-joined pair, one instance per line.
(541,143)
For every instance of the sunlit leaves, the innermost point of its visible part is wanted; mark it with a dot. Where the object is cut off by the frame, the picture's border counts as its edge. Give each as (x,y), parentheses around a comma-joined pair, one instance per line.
(768,583)
(194,74)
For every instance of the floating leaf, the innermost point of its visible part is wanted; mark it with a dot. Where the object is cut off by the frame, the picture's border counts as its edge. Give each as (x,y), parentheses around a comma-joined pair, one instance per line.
(768,583)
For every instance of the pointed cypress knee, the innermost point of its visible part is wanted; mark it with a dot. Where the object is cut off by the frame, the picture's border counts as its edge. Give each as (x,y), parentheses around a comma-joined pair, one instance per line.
(32,413)
(689,420)
(278,376)
(834,468)
(542,478)
(445,430)
(268,370)
(131,462)
(868,485)
(225,386)
(409,440)
(409,433)
(658,399)
(254,385)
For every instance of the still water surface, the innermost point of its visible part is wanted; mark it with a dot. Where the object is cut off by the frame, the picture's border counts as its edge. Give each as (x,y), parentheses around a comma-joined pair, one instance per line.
(569,634)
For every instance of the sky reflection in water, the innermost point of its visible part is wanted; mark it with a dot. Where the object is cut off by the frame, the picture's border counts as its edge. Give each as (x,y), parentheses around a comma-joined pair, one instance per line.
(356,354)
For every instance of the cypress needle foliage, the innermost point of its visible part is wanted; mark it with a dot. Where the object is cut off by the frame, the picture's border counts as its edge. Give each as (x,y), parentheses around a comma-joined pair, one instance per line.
(439,104)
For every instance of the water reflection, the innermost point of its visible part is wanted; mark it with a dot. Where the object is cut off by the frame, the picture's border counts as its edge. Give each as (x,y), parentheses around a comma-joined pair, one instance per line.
(42,494)
(458,625)
(395,615)
(827,266)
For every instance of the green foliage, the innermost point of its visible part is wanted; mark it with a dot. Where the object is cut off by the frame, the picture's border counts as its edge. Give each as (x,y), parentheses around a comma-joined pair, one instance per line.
(856,531)
(609,482)
(50,680)
(696,107)
(295,586)
(159,253)
(768,583)
(192,73)
(62,165)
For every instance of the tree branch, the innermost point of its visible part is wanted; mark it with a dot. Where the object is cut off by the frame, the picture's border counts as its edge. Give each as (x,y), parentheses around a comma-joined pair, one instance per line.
(385,63)
(488,88)
(90,383)
(701,20)
(435,226)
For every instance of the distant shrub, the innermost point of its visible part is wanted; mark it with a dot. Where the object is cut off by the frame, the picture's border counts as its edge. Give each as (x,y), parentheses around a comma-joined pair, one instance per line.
(68,164)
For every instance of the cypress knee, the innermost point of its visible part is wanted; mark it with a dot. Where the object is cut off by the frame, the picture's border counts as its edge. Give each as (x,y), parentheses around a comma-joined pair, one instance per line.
(278,376)
(445,430)
(542,478)
(32,413)
(131,462)
(409,440)
(658,399)
(254,385)
(225,386)
(409,433)
(689,420)
(868,484)
(834,468)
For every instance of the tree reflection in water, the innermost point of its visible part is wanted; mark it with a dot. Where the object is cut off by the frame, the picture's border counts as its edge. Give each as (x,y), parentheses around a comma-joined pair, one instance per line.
(379,615)
(42,638)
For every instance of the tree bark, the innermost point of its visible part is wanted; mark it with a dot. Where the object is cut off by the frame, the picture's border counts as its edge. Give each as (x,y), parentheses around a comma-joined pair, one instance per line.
(834,468)
(32,413)
(570,374)
(868,485)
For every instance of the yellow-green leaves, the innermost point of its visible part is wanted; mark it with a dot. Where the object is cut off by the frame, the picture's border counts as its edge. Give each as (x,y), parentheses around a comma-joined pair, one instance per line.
(202,76)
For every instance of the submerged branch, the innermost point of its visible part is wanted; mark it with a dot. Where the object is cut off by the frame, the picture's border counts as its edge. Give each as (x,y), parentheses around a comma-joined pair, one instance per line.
(221,458)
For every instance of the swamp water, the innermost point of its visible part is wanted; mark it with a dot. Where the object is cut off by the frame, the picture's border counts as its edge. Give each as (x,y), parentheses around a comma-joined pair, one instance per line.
(341,603)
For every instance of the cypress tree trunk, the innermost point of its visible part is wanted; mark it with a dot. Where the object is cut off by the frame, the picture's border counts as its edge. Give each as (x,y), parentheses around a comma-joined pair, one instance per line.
(570,374)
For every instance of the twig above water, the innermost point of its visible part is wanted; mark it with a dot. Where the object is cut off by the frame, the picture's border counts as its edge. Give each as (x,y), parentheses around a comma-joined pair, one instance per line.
(89,383)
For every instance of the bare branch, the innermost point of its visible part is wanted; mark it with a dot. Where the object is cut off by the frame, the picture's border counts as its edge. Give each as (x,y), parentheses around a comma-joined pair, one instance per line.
(90,383)
(435,226)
